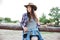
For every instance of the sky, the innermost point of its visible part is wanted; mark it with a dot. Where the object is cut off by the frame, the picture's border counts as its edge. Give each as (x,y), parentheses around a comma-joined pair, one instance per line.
(14,9)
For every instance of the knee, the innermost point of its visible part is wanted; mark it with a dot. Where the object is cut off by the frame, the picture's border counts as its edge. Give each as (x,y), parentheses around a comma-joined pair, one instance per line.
(34,38)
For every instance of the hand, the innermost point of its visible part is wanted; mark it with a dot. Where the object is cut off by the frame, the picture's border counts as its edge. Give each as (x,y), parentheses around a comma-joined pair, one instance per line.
(25,29)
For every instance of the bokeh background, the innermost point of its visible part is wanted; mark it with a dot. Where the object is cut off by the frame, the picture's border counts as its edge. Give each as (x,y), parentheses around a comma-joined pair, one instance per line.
(11,12)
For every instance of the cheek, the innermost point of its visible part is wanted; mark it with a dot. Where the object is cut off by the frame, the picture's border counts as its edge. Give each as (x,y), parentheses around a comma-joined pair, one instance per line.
(29,9)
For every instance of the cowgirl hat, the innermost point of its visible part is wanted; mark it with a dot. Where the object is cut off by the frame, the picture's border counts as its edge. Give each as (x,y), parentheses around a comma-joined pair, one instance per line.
(32,5)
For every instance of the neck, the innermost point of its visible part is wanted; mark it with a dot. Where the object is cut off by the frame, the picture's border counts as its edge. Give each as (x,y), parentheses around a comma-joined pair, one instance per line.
(30,13)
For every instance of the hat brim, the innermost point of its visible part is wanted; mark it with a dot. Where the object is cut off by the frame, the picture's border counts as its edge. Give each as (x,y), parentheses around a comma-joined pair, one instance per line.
(33,6)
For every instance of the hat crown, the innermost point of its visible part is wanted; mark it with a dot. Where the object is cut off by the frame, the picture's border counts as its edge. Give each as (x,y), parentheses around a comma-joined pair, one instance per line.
(30,4)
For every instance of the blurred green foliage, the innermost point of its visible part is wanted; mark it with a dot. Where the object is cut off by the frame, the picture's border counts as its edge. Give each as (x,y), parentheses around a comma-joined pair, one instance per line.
(55,17)
(7,20)
(55,14)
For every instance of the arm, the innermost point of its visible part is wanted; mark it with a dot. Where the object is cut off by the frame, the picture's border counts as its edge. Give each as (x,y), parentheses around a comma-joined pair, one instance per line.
(24,22)
(38,24)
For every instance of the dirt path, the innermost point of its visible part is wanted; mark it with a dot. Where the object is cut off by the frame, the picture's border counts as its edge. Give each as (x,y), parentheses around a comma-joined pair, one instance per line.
(17,35)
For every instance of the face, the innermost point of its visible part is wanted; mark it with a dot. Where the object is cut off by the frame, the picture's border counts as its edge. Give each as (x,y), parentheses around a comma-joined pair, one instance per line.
(29,8)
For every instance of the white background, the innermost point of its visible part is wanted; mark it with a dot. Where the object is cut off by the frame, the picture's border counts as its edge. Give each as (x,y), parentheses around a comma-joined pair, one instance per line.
(15,8)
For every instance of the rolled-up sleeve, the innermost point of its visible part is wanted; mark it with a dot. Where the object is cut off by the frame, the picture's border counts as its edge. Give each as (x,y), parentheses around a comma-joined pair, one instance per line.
(38,25)
(24,20)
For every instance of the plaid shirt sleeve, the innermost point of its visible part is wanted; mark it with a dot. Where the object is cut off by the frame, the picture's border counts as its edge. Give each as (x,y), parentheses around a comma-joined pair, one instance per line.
(38,25)
(24,20)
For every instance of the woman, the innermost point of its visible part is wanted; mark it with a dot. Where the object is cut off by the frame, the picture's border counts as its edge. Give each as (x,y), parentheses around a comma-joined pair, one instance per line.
(30,23)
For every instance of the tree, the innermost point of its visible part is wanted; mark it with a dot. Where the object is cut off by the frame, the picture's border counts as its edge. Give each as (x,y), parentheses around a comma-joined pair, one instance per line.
(1,19)
(15,21)
(43,19)
(7,19)
(51,20)
(54,13)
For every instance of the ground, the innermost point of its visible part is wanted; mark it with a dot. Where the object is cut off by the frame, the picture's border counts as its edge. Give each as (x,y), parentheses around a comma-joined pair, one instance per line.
(17,35)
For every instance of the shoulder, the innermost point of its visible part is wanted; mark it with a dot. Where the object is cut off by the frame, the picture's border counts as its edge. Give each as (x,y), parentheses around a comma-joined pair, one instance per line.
(25,14)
